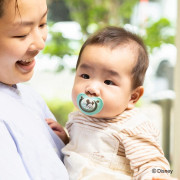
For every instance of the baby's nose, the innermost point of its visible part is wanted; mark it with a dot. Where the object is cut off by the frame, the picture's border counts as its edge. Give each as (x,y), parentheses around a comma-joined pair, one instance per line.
(92,91)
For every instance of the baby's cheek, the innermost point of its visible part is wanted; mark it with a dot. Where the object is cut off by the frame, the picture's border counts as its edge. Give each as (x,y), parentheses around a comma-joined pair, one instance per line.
(74,97)
(110,108)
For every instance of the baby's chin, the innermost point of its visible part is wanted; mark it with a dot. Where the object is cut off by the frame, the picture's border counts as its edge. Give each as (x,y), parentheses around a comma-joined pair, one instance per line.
(103,116)
(99,115)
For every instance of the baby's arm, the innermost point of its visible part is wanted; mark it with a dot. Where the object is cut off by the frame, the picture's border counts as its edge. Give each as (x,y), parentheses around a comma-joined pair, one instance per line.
(146,156)
(58,129)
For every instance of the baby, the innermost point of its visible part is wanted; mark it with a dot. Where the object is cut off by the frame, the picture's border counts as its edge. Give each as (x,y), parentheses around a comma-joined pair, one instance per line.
(110,139)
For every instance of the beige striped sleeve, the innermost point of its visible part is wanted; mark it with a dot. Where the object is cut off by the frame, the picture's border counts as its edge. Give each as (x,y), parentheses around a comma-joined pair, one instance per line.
(143,150)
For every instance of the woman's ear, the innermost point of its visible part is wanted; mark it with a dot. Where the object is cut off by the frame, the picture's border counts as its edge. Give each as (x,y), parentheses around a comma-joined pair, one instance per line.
(135,96)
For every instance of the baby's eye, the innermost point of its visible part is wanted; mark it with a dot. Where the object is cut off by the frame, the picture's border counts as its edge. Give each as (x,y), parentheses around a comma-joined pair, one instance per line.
(109,82)
(85,76)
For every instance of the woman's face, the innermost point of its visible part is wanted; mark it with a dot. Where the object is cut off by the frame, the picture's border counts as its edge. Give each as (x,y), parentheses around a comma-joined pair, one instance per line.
(22,35)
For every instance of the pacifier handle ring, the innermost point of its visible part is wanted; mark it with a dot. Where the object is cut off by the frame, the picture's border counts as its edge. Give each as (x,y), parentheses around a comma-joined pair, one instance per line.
(89,105)
(84,108)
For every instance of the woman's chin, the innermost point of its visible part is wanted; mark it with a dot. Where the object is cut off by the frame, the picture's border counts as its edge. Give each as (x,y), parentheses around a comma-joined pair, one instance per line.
(23,78)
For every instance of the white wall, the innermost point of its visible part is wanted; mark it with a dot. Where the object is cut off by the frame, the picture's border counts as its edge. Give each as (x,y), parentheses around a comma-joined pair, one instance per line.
(176,151)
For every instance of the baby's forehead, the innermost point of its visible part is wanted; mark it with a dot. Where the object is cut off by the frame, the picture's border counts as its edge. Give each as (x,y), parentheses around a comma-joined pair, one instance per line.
(129,46)
(132,45)
(96,54)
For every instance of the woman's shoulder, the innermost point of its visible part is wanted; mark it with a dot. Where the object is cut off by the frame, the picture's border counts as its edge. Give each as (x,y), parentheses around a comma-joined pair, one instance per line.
(26,91)
(17,90)
(22,98)
(13,96)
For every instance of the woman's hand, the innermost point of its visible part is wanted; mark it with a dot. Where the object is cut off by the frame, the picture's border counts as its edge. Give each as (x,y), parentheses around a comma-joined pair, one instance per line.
(58,129)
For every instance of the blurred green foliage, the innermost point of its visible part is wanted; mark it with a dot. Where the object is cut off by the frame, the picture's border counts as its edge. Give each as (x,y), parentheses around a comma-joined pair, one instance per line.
(58,45)
(60,109)
(88,13)
(95,14)
(100,12)
(158,33)
(58,11)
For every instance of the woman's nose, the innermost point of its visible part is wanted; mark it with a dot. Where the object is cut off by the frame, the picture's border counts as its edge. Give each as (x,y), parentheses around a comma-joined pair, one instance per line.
(92,90)
(38,41)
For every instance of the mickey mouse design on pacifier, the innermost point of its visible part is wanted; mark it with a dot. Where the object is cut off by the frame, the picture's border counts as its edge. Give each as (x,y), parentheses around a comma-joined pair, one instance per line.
(89,105)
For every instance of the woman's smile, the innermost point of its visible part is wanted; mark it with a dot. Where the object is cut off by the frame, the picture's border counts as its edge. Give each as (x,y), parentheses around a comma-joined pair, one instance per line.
(26,65)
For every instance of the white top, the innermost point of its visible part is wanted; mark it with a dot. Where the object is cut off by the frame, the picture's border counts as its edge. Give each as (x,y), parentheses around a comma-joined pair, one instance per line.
(122,148)
(29,149)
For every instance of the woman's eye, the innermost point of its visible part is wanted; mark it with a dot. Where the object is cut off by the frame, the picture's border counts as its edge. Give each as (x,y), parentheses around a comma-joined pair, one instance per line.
(23,36)
(85,76)
(42,25)
(109,82)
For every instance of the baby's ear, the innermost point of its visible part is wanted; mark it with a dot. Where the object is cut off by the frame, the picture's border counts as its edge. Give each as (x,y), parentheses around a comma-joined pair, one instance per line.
(135,96)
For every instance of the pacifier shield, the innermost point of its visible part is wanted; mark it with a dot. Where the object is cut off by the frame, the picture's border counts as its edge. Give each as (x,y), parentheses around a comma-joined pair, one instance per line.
(89,105)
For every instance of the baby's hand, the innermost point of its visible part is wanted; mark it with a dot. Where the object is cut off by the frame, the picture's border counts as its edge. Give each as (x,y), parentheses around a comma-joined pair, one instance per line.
(58,129)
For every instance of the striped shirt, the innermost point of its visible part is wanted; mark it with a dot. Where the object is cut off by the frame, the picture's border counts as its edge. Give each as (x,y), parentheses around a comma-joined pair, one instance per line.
(123,147)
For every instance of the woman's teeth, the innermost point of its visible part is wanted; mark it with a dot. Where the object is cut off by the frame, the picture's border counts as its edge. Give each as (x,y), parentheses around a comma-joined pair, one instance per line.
(26,65)
(26,60)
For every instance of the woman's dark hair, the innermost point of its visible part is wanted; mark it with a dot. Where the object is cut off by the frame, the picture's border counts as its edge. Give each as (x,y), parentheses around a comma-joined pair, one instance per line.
(115,36)
(1,7)
(2,4)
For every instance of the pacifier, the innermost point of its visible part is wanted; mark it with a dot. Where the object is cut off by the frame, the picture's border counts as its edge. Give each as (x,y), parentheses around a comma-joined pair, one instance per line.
(89,105)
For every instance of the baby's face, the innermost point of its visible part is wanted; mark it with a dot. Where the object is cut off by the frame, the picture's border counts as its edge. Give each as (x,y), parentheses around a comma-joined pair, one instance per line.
(106,73)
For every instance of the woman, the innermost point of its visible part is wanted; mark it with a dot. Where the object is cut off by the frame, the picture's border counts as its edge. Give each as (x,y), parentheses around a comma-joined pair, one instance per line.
(29,148)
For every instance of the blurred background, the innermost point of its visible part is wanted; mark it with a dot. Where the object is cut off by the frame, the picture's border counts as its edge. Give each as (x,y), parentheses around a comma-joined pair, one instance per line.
(71,21)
